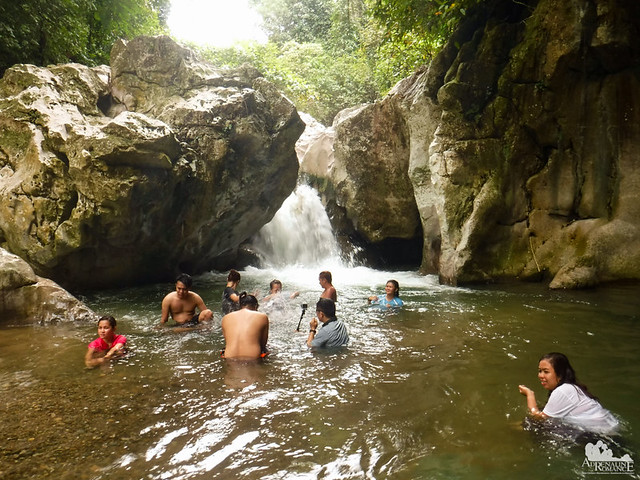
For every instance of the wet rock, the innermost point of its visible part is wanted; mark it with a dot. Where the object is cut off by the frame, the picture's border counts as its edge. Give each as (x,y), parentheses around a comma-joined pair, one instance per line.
(360,166)
(521,139)
(26,298)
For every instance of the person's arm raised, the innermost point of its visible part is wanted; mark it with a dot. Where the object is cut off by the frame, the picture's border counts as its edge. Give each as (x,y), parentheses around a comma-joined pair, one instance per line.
(313,329)
(532,404)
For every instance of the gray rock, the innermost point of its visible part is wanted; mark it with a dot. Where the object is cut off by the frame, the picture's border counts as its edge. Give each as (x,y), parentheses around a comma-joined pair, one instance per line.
(160,164)
(531,164)
(26,298)
(515,149)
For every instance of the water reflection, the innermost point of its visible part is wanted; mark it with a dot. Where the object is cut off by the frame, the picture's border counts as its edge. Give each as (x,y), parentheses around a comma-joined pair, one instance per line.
(428,391)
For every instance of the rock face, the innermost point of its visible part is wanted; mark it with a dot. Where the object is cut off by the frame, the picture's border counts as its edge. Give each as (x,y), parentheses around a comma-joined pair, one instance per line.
(520,141)
(360,166)
(159,164)
(533,162)
(26,298)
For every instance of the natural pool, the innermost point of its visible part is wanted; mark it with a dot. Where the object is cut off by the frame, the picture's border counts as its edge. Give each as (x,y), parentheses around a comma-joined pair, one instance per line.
(426,392)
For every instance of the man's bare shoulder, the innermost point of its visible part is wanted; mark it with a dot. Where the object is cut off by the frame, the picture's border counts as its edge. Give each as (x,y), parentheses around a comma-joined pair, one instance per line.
(244,315)
(329,292)
(261,316)
(170,296)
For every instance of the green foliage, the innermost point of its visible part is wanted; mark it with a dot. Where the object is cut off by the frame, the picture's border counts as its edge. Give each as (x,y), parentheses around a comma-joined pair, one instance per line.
(432,19)
(43,32)
(327,55)
(295,20)
(317,81)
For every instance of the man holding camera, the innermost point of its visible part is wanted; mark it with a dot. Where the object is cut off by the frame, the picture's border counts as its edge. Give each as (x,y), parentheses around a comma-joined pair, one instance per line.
(332,333)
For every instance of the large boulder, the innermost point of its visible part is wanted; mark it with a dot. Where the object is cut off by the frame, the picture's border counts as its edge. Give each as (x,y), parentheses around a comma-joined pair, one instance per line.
(159,164)
(516,149)
(533,164)
(369,174)
(26,298)
(360,166)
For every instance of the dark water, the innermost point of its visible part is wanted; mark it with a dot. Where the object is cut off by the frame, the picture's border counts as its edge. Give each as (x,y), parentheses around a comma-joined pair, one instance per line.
(426,392)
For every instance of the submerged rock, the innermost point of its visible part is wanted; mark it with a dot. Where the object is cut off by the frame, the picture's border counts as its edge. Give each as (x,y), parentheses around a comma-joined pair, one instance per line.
(159,164)
(26,298)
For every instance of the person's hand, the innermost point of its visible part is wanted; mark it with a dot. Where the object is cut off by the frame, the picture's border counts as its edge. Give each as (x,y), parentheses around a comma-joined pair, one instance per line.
(313,324)
(526,391)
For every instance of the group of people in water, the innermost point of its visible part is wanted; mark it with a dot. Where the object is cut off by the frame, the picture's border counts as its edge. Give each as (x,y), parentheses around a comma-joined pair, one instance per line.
(246,331)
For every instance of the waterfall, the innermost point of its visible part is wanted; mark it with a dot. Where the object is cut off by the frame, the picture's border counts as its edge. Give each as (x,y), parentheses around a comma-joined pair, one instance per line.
(299,234)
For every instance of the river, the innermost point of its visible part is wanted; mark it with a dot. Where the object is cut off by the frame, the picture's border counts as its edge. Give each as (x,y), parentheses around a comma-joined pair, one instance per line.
(429,391)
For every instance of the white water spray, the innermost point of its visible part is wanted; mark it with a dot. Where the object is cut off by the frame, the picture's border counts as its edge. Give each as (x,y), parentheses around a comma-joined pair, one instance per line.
(299,234)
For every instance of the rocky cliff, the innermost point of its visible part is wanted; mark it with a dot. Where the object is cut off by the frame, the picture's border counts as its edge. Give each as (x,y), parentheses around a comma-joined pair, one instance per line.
(160,163)
(521,144)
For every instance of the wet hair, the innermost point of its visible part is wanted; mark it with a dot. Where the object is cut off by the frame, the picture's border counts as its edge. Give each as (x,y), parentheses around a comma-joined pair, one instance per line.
(233,276)
(110,319)
(326,306)
(564,371)
(275,282)
(247,300)
(185,279)
(396,285)
(326,275)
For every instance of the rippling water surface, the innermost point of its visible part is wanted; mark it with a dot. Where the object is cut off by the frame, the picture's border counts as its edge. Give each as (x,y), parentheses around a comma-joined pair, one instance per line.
(425,392)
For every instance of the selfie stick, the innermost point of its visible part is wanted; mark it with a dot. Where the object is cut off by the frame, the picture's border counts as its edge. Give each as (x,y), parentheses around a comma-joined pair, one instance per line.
(304,309)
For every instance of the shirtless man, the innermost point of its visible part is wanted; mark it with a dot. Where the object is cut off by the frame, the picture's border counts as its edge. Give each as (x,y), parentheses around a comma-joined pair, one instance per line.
(246,330)
(181,305)
(325,282)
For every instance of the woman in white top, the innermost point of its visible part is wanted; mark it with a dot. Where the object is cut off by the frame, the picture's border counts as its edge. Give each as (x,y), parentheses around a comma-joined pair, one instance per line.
(569,399)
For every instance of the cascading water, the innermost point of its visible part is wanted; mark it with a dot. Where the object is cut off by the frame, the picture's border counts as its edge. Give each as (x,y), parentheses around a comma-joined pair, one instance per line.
(299,234)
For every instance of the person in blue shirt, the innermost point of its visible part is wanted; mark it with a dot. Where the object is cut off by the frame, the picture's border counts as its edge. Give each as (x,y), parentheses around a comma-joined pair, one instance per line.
(391,298)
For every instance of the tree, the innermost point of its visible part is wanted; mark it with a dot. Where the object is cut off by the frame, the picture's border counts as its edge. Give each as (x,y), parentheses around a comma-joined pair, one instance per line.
(42,32)
(299,20)
(318,81)
(408,21)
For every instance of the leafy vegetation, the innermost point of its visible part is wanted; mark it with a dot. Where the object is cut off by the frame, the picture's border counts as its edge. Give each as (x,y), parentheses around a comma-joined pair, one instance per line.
(57,31)
(326,55)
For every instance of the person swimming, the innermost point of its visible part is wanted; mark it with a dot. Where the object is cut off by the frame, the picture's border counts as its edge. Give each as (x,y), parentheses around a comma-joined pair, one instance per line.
(569,400)
(391,297)
(107,346)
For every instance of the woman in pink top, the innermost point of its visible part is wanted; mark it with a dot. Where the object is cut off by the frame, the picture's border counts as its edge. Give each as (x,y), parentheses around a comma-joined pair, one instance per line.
(107,346)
